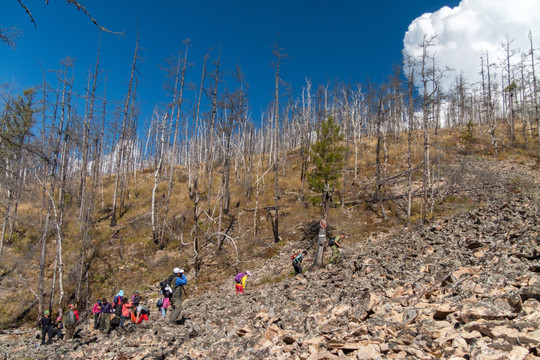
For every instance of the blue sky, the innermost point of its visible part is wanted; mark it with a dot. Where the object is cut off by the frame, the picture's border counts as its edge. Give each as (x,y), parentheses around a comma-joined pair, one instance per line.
(344,40)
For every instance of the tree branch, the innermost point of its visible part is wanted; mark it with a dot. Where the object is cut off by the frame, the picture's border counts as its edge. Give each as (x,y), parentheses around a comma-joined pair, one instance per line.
(28,12)
(83,9)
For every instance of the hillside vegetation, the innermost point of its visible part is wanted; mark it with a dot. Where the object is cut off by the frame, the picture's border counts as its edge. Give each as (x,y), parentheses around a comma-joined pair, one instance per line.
(125,256)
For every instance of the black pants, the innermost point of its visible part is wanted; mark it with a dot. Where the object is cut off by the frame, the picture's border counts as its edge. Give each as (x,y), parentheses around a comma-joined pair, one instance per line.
(58,333)
(96,321)
(297,269)
(44,331)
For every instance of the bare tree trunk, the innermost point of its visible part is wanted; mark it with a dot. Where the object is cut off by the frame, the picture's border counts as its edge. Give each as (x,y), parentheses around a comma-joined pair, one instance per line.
(378,181)
(410,85)
(42,260)
(175,136)
(535,99)
(86,199)
(510,88)
(155,231)
(275,222)
(427,99)
(120,159)
(210,154)
(318,258)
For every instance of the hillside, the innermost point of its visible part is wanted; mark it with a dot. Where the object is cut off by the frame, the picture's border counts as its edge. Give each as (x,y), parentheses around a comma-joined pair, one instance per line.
(465,286)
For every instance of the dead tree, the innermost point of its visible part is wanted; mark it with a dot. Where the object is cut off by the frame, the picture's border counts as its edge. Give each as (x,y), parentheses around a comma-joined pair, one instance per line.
(535,90)
(275,222)
(510,86)
(177,104)
(119,164)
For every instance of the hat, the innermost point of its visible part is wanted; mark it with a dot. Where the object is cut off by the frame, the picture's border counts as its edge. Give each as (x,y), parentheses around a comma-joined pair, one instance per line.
(46,312)
(248,273)
(59,318)
(70,306)
(178,271)
(99,301)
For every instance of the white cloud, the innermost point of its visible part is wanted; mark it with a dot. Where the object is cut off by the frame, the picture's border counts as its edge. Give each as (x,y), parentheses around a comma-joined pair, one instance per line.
(473,28)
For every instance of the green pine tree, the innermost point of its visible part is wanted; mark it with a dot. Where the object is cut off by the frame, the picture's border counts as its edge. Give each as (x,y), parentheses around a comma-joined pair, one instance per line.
(327,155)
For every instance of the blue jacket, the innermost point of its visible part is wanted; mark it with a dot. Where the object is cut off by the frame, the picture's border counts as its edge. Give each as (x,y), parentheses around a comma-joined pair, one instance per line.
(180,280)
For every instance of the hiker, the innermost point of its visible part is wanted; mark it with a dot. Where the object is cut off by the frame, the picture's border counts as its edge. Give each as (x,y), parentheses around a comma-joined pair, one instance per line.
(136,298)
(142,314)
(57,329)
(46,327)
(240,280)
(334,244)
(106,316)
(125,313)
(70,322)
(96,310)
(117,300)
(74,306)
(177,285)
(297,262)
(165,303)
(135,301)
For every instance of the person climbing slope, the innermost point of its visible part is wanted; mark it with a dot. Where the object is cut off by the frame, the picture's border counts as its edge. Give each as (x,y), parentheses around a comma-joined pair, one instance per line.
(334,244)
(297,262)
(240,280)
(178,283)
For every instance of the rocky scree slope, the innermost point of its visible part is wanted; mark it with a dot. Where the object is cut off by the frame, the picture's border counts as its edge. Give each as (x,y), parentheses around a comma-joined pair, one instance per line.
(464,287)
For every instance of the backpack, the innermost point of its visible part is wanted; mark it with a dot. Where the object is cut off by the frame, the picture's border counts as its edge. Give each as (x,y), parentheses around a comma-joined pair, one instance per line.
(118,310)
(294,256)
(166,289)
(159,302)
(238,277)
(295,259)
(70,319)
(116,302)
(332,241)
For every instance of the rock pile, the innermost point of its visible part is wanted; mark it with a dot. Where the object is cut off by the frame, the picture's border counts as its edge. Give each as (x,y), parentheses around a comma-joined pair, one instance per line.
(465,287)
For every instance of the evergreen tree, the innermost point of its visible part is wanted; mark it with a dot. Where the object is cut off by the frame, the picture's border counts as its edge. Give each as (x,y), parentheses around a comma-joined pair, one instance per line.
(327,155)
(327,158)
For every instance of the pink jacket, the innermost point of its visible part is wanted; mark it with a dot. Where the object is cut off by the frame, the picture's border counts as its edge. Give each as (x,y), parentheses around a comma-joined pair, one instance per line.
(125,309)
(96,309)
(166,303)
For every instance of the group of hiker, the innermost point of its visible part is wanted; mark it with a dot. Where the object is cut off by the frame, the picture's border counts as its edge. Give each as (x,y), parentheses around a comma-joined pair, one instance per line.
(53,328)
(108,315)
